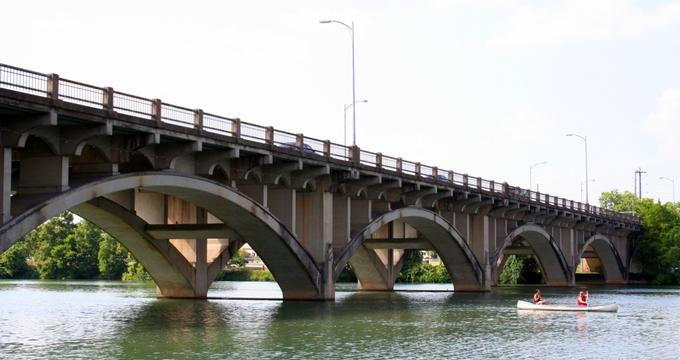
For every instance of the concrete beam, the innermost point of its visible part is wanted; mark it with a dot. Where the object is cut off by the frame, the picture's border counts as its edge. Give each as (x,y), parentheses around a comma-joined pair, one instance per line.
(429,201)
(414,244)
(305,179)
(414,198)
(271,174)
(162,156)
(190,231)
(73,138)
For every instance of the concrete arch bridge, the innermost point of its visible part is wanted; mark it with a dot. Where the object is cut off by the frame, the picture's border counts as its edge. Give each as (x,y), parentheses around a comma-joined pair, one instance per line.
(183,189)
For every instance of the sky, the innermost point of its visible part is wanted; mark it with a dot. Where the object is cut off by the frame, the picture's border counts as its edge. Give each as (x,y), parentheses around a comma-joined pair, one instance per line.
(479,87)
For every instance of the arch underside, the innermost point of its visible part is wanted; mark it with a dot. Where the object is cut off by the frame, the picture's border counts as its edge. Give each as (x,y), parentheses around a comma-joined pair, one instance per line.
(550,258)
(462,266)
(293,268)
(611,265)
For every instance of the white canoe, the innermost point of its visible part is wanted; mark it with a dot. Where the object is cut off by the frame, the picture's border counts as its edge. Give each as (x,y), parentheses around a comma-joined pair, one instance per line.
(525,305)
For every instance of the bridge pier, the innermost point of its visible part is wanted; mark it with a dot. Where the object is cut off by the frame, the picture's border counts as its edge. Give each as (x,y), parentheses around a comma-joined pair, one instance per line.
(314,225)
(5,183)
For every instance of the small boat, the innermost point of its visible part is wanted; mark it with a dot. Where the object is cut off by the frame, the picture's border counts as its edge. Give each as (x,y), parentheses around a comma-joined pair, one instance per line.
(525,305)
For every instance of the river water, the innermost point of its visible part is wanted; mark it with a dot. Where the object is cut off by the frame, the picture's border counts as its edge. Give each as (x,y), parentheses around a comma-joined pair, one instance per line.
(124,320)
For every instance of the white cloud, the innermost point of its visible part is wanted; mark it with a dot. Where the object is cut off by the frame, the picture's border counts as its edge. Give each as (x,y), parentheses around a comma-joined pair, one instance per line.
(664,122)
(570,21)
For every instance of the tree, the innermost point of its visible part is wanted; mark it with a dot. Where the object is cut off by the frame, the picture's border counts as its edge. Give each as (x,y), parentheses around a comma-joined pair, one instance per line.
(41,240)
(74,257)
(239,259)
(135,271)
(14,263)
(112,258)
(520,270)
(657,246)
(619,201)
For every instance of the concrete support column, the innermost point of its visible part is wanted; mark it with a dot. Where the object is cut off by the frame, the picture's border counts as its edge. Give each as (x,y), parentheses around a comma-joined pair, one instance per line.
(481,228)
(281,203)
(150,206)
(201,281)
(6,183)
(379,207)
(314,224)
(461,221)
(341,221)
(489,228)
(449,215)
(573,257)
(46,174)
(360,215)
(257,192)
(125,198)
(499,236)
(182,212)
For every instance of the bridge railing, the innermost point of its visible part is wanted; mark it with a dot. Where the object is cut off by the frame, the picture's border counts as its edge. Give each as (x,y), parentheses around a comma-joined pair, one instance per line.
(52,86)
(22,80)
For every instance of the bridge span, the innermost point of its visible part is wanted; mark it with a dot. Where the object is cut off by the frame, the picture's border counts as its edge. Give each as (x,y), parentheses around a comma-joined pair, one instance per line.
(183,189)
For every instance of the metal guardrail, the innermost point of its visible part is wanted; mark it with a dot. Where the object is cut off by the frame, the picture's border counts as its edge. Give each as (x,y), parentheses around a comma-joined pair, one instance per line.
(51,86)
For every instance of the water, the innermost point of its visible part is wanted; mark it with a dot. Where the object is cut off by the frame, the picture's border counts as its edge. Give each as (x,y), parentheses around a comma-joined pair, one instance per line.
(124,320)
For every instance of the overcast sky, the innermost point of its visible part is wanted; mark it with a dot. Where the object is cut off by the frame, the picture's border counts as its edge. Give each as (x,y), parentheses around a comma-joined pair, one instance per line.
(485,88)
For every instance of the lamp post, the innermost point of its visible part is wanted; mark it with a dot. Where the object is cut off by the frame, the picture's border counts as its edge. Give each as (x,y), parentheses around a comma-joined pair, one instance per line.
(531,169)
(591,180)
(672,184)
(585,143)
(345,120)
(354,101)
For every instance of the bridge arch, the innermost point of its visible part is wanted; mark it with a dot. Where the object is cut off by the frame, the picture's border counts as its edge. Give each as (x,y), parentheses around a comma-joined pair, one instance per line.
(461,264)
(294,269)
(612,265)
(551,260)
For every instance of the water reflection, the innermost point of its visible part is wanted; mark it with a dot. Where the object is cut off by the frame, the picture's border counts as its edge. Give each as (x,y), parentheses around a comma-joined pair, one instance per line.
(94,320)
(188,328)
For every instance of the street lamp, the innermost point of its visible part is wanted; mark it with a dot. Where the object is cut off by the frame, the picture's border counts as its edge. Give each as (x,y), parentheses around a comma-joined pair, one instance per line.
(345,119)
(672,183)
(531,168)
(591,180)
(585,143)
(354,101)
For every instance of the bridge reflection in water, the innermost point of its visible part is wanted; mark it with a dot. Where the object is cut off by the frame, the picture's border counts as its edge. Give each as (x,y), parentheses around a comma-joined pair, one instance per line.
(183,189)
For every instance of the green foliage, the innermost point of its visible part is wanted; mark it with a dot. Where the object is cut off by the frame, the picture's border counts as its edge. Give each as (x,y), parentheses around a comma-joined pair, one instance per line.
(112,258)
(520,270)
(239,258)
(415,271)
(62,249)
(658,245)
(619,201)
(244,274)
(14,263)
(425,273)
(74,257)
(135,271)
(347,275)
(511,271)
(412,258)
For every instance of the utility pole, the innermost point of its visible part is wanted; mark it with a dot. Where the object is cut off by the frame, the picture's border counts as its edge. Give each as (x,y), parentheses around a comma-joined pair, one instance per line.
(638,183)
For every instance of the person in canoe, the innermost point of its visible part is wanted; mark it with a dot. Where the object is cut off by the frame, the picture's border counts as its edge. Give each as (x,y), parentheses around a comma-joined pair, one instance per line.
(537,298)
(582,299)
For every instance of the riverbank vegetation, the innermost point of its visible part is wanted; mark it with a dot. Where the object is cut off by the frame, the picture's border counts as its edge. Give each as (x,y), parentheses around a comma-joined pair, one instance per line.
(520,270)
(64,249)
(657,247)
